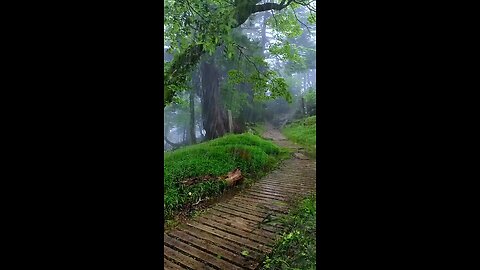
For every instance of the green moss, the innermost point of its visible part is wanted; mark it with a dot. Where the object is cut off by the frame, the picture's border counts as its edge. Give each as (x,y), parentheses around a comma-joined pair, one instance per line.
(251,154)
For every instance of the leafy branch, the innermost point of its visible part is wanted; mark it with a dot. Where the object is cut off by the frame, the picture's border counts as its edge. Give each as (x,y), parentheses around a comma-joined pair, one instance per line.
(248,58)
(306,26)
(195,11)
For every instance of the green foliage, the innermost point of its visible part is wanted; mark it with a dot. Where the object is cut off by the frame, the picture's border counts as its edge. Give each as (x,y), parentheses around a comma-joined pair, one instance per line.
(266,85)
(194,27)
(303,132)
(285,23)
(249,140)
(248,75)
(191,29)
(236,77)
(311,95)
(234,100)
(312,18)
(251,154)
(296,249)
(286,51)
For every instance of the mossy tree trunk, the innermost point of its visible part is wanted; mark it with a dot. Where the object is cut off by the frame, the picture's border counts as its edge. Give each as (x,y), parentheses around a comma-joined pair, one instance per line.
(214,116)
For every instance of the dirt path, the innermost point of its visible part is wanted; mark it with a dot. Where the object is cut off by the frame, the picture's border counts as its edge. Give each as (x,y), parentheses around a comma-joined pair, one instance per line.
(233,234)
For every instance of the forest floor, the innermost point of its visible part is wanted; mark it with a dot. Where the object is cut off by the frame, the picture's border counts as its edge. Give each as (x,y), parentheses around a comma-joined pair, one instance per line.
(238,232)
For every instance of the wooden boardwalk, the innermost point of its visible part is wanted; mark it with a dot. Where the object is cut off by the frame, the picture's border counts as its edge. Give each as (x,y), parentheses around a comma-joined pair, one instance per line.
(233,234)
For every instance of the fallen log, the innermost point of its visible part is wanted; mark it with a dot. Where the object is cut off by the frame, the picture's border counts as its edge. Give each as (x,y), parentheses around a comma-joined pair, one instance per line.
(233,177)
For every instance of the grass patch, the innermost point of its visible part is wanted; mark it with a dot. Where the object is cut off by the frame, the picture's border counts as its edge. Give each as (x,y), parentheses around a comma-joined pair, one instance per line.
(303,132)
(251,154)
(296,249)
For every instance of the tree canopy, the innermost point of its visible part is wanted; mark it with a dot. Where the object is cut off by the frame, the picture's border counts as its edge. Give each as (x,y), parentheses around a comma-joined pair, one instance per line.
(194,28)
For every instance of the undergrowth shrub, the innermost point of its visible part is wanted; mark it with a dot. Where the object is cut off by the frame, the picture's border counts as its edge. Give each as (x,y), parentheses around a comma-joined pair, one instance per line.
(296,248)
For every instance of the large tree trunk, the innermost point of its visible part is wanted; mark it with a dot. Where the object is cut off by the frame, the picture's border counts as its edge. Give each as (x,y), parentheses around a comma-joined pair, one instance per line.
(213,112)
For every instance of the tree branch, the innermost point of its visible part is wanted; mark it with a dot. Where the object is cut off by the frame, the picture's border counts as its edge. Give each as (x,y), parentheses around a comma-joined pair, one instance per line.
(270,6)
(244,12)
(307,5)
(190,6)
(246,57)
(306,26)
(274,18)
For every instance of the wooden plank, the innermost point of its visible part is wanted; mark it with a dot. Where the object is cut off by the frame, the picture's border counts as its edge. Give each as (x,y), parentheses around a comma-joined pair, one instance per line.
(270,211)
(260,200)
(273,229)
(170,265)
(241,233)
(244,210)
(255,199)
(254,229)
(204,256)
(277,184)
(184,259)
(278,206)
(273,208)
(285,184)
(252,202)
(232,208)
(240,240)
(237,213)
(231,217)
(243,224)
(248,205)
(230,220)
(237,259)
(263,195)
(276,188)
(269,193)
(293,186)
(293,179)
(285,187)
(276,209)
(261,189)
(284,190)
(224,243)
